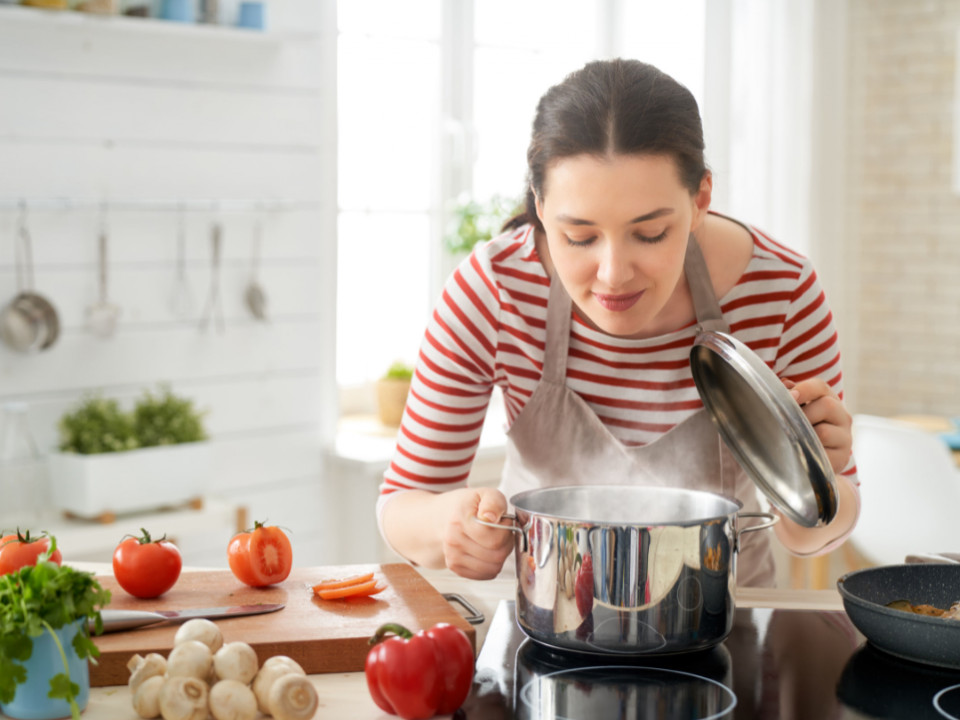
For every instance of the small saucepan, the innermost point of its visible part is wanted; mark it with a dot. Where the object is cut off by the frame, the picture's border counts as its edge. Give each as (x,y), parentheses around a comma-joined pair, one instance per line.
(29,322)
(629,570)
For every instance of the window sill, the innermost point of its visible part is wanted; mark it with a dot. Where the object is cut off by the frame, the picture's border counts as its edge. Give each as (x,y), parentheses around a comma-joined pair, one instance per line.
(363,440)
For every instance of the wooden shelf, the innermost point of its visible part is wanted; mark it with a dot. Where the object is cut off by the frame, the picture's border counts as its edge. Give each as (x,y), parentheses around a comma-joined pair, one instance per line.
(156,26)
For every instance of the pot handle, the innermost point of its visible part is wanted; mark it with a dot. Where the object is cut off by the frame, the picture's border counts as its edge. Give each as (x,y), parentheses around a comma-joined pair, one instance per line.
(507,516)
(771,520)
(475,617)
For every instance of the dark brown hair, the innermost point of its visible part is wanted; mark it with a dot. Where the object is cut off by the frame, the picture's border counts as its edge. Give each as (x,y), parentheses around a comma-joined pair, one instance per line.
(622,107)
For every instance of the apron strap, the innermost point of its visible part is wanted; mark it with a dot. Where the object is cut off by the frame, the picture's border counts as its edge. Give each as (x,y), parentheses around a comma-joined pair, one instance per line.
(559,307)
(705,303)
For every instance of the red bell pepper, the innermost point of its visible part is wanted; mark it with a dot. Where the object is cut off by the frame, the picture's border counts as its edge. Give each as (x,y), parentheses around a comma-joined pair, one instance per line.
(419,676)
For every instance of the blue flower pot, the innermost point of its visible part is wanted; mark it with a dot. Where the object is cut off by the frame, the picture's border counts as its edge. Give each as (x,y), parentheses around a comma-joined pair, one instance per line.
(31,701)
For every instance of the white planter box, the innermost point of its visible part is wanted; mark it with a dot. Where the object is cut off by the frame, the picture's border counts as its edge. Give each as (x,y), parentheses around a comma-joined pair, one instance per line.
(130,481)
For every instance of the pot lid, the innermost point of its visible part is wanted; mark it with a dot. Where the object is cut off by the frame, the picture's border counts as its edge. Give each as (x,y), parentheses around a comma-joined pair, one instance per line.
(764,428)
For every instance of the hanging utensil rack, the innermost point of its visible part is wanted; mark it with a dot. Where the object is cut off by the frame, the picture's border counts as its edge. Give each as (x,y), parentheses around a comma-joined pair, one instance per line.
(203,205)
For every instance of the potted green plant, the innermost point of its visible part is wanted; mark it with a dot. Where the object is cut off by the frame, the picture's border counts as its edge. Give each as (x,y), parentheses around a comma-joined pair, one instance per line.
(473,221)
(111,461)
(45,611)
(392,391)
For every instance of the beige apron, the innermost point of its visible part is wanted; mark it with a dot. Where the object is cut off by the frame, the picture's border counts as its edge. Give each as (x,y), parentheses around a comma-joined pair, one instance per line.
(558,440)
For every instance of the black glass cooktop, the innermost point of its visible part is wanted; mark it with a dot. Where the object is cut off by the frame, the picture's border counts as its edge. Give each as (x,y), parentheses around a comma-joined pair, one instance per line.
(774,665)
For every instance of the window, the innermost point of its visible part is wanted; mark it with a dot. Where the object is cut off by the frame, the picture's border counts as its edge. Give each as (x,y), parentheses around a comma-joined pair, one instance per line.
(436,99)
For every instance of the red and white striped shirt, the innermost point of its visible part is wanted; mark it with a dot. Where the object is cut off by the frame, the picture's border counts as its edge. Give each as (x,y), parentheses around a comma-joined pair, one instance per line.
(489,328)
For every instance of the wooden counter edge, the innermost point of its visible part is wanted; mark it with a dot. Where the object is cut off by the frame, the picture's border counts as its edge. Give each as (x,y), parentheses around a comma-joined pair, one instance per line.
(789,599)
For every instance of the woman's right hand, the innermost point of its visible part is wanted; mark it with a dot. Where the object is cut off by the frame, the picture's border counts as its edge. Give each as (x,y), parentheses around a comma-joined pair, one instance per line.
(471,549)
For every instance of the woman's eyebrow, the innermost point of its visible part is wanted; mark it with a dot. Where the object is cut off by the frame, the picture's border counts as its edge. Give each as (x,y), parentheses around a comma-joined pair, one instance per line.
(660,212)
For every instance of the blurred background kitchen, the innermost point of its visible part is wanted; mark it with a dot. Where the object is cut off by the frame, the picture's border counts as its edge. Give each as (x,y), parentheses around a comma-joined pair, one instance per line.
(251,204)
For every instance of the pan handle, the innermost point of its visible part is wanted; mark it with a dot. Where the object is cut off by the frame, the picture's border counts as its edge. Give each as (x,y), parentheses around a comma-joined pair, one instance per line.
(771,520)
(507,516)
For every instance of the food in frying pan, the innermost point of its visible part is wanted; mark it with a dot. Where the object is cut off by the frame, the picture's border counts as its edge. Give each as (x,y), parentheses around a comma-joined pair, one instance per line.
(953,613)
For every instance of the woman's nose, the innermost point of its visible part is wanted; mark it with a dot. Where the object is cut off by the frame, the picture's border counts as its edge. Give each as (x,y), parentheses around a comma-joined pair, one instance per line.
(614,269)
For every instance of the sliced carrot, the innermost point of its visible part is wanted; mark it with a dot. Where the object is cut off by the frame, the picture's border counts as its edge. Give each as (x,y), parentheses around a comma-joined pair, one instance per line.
(342,582)
(357,590)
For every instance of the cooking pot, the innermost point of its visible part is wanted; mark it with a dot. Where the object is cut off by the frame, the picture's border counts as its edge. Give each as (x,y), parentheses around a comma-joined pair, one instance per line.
(629,570)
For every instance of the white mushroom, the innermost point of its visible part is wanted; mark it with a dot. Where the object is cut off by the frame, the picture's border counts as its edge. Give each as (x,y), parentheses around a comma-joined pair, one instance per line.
(183,698)
(232,700)
(292,697)
(200,629)
(146,698)
(144,668)
(236,661)
(273,669)
(190,659)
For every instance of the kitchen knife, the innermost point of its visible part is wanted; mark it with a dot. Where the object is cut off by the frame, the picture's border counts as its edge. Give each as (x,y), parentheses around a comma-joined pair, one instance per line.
(116,620)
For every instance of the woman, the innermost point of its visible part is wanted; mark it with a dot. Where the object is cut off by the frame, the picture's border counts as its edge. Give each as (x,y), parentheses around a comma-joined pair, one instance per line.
(584,313)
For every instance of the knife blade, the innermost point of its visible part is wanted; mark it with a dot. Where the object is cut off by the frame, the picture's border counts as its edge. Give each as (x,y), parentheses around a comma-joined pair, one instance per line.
(117,620)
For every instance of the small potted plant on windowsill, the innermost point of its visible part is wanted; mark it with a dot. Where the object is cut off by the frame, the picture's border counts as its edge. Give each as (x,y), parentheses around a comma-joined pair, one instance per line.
(112,462)
(45,611)
(392,391)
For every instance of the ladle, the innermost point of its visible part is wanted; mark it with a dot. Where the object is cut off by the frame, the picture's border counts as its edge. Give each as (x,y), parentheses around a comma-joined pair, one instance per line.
(29,322)
(255,296)
(214,307)
(102,317)
(182,301)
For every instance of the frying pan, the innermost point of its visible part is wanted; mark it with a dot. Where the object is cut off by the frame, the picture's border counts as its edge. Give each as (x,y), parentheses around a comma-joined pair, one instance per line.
(921,638)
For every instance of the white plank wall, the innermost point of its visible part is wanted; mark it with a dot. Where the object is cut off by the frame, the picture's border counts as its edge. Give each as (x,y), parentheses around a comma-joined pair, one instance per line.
(144,115)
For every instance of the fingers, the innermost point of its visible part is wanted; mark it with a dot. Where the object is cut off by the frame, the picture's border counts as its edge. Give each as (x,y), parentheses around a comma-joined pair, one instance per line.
(491,504)
(474,550)
(829,417)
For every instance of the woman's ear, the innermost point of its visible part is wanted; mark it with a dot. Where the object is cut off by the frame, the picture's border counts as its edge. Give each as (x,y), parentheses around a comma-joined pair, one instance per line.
(538,204)
(701,200)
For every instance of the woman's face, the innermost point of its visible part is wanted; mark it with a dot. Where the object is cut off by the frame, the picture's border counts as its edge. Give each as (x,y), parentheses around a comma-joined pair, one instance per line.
(617,229)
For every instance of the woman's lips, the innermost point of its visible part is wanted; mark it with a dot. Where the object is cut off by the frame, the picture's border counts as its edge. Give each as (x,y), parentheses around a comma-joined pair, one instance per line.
(618,303)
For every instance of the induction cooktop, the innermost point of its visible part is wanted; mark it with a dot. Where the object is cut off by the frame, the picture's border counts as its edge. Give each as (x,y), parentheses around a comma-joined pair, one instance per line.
(775,664)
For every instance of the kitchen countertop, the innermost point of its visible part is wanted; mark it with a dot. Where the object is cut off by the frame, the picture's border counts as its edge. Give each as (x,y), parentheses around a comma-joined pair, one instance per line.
(345,695)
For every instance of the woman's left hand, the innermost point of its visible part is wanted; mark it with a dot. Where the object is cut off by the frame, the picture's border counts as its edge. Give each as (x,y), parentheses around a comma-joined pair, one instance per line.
(829,418)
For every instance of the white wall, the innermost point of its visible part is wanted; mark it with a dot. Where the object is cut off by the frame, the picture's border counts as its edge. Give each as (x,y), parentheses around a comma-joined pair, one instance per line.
(146,114)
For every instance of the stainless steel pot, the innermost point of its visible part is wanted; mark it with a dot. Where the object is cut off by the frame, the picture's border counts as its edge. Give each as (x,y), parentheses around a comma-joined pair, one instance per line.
(627,570)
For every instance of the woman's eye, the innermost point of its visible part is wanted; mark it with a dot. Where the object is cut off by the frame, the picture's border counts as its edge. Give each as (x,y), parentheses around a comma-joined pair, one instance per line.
(648,239)
(579,243)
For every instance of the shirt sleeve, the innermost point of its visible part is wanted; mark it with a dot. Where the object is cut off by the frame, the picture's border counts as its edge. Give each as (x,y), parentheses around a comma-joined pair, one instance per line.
(451,386)
(809,347)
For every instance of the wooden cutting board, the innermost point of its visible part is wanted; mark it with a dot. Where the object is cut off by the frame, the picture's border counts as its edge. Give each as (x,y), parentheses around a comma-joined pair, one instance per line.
(324,636)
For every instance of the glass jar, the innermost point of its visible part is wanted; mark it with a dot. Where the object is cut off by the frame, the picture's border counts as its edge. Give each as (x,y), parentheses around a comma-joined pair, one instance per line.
(23,477)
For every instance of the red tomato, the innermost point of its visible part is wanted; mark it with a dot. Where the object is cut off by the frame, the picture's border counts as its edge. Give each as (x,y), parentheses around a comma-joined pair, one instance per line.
(261,556)
(17,551)
(146,568)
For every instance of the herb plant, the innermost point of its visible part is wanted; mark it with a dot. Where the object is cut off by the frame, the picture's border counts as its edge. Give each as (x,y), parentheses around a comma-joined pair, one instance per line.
(96,425)
(165,419)
(42,598)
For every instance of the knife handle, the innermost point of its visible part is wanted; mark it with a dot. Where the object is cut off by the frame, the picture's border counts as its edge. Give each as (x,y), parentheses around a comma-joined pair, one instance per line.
(116,620)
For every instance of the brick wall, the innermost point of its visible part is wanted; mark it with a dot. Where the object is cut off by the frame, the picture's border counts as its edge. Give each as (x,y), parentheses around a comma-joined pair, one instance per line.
(903,211)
